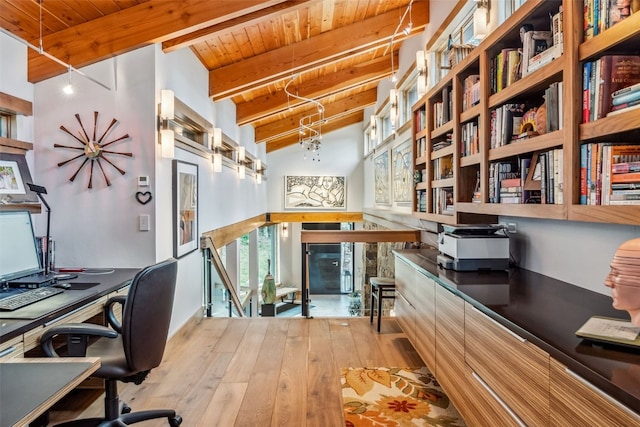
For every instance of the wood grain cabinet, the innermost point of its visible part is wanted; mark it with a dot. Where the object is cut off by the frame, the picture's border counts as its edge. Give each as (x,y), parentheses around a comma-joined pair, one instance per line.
(405,311)
(516,370)
(576,402)
(425,305)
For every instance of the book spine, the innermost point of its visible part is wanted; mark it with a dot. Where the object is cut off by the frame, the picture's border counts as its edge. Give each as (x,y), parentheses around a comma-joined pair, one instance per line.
(586,77)
(627,97)
(625,177)
(625,167)
(626,89)
(583,174)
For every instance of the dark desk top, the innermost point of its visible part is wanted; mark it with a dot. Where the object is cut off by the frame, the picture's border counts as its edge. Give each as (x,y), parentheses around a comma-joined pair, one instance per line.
(547,312)
(24,394)
(17,322)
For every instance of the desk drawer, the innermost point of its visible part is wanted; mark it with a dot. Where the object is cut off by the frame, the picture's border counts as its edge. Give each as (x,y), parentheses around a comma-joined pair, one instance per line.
(516,370)
(12,349)
(32,337)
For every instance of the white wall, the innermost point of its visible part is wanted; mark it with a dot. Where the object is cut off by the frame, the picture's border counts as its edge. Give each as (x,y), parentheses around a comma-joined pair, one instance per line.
(340,155)
(97,227)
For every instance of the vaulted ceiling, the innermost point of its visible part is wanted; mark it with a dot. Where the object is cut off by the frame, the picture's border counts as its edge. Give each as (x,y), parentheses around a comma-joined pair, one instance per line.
(332,51)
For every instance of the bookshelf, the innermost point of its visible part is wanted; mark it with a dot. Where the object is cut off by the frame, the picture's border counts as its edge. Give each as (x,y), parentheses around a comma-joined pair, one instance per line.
(474,181)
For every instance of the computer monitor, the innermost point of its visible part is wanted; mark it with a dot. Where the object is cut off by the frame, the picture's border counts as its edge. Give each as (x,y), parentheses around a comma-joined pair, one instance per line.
(18,246)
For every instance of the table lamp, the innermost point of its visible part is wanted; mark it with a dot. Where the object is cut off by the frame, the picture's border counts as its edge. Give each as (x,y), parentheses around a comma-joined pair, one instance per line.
(40,190)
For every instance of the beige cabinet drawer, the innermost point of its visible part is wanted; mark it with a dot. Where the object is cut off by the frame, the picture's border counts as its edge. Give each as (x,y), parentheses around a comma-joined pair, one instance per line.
(576,402)
(12,348)
(82,314)
(405,279)
(425,305)
(406,317)
(513,368)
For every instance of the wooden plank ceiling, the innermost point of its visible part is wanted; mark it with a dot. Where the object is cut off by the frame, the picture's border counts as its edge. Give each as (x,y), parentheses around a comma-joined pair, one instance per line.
(335,51)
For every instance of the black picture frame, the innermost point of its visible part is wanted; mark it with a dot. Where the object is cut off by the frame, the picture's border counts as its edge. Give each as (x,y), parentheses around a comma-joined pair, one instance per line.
(185,208)
(28,196)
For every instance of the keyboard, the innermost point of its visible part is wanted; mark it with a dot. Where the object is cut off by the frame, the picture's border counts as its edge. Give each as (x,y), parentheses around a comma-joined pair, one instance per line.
(28,297)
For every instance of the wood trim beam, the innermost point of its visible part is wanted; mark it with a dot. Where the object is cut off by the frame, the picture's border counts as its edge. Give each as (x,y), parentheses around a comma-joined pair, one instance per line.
(291,123)
(224,235)
(150,22)
(278,217)
(358,75)
(333,124)
(359,236)
(266,68)
(14,105)
(213,31)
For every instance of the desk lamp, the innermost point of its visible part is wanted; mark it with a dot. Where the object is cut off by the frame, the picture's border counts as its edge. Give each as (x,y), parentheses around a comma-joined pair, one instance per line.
(40,190)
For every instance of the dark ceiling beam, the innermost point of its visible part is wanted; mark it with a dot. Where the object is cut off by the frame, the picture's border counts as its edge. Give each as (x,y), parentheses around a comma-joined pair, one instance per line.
(311,53)
(357,75)
(147,23)
(339,107)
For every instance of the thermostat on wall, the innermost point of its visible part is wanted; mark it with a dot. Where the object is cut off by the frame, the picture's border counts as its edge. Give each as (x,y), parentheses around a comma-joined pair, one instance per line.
(143,181)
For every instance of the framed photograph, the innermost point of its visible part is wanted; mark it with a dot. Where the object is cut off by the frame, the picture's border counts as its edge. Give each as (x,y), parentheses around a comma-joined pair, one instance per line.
(185,208)
(316,192)
(14,176)
(381,175)
(402,174)
(10,178)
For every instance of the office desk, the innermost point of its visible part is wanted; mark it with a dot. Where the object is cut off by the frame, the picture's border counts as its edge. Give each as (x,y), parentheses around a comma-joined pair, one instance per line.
(29,321)
(28,387)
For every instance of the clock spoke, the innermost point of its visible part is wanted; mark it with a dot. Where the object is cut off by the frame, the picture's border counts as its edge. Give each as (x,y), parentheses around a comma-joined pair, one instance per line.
(71,159)
(111,163)
(113,122)
(103,172)
(95,124)
(67,146)
(79,169)
(118,152)
(90,176)
(115,140)
(82,126)
(75,137)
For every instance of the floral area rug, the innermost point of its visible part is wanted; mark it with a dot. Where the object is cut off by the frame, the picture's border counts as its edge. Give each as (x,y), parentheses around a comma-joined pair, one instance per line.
(395,397)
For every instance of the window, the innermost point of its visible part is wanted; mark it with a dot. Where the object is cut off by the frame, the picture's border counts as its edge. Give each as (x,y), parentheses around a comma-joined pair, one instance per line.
(267,252)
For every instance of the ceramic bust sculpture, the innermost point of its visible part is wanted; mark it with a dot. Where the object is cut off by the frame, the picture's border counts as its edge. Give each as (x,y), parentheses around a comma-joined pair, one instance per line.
(624,279)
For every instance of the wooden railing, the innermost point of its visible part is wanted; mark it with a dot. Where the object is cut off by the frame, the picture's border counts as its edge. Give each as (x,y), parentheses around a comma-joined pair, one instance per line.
(213,264)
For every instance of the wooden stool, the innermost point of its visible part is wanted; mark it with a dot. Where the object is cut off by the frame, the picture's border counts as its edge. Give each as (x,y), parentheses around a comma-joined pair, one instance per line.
(381,288)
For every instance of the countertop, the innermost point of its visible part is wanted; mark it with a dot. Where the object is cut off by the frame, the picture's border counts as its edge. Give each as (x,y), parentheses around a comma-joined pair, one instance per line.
(547,312)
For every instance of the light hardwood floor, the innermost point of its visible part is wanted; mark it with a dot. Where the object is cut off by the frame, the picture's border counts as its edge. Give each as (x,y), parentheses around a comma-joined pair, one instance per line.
(260,372)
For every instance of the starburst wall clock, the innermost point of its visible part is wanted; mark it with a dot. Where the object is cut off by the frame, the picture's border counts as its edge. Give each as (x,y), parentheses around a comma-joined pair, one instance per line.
(94,150)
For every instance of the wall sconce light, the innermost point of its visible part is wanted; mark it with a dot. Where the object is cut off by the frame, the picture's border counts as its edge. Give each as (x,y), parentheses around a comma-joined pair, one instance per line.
(421,67)
(217,146)
(393,100)
(373,132)
(241,166)
(480,20)
(166,133)
(258,171)
(285,229)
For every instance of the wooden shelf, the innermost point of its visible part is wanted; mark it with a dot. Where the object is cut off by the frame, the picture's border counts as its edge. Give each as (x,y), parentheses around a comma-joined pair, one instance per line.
(622,38)
(31,207)
(612,125)
(626,31)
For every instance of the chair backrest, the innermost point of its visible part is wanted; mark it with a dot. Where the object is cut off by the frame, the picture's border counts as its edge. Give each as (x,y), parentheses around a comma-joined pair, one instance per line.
(147,314)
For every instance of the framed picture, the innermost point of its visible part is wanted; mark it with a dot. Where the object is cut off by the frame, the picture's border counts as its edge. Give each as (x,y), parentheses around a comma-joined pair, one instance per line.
(317,192)
(14,175)
(185,208)
(381,176)
(402,174)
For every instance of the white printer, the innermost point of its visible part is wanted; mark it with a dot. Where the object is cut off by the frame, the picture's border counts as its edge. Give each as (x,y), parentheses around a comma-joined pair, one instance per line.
(473,247)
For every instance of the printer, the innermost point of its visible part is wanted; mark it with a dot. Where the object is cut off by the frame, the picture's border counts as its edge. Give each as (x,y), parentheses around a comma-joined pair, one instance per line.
(473,247)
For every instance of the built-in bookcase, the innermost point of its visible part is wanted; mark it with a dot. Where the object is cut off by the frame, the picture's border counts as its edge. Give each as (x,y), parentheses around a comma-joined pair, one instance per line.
(467,108)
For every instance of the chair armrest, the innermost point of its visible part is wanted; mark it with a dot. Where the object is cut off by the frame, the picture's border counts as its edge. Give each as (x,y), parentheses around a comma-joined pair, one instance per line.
(110,315)
(77,335)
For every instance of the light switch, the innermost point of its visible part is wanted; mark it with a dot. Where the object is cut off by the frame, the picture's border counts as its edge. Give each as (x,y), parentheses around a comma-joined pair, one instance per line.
(144,222)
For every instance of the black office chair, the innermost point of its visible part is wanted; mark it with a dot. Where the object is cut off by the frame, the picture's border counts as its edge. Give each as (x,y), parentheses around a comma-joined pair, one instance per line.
(131,349)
